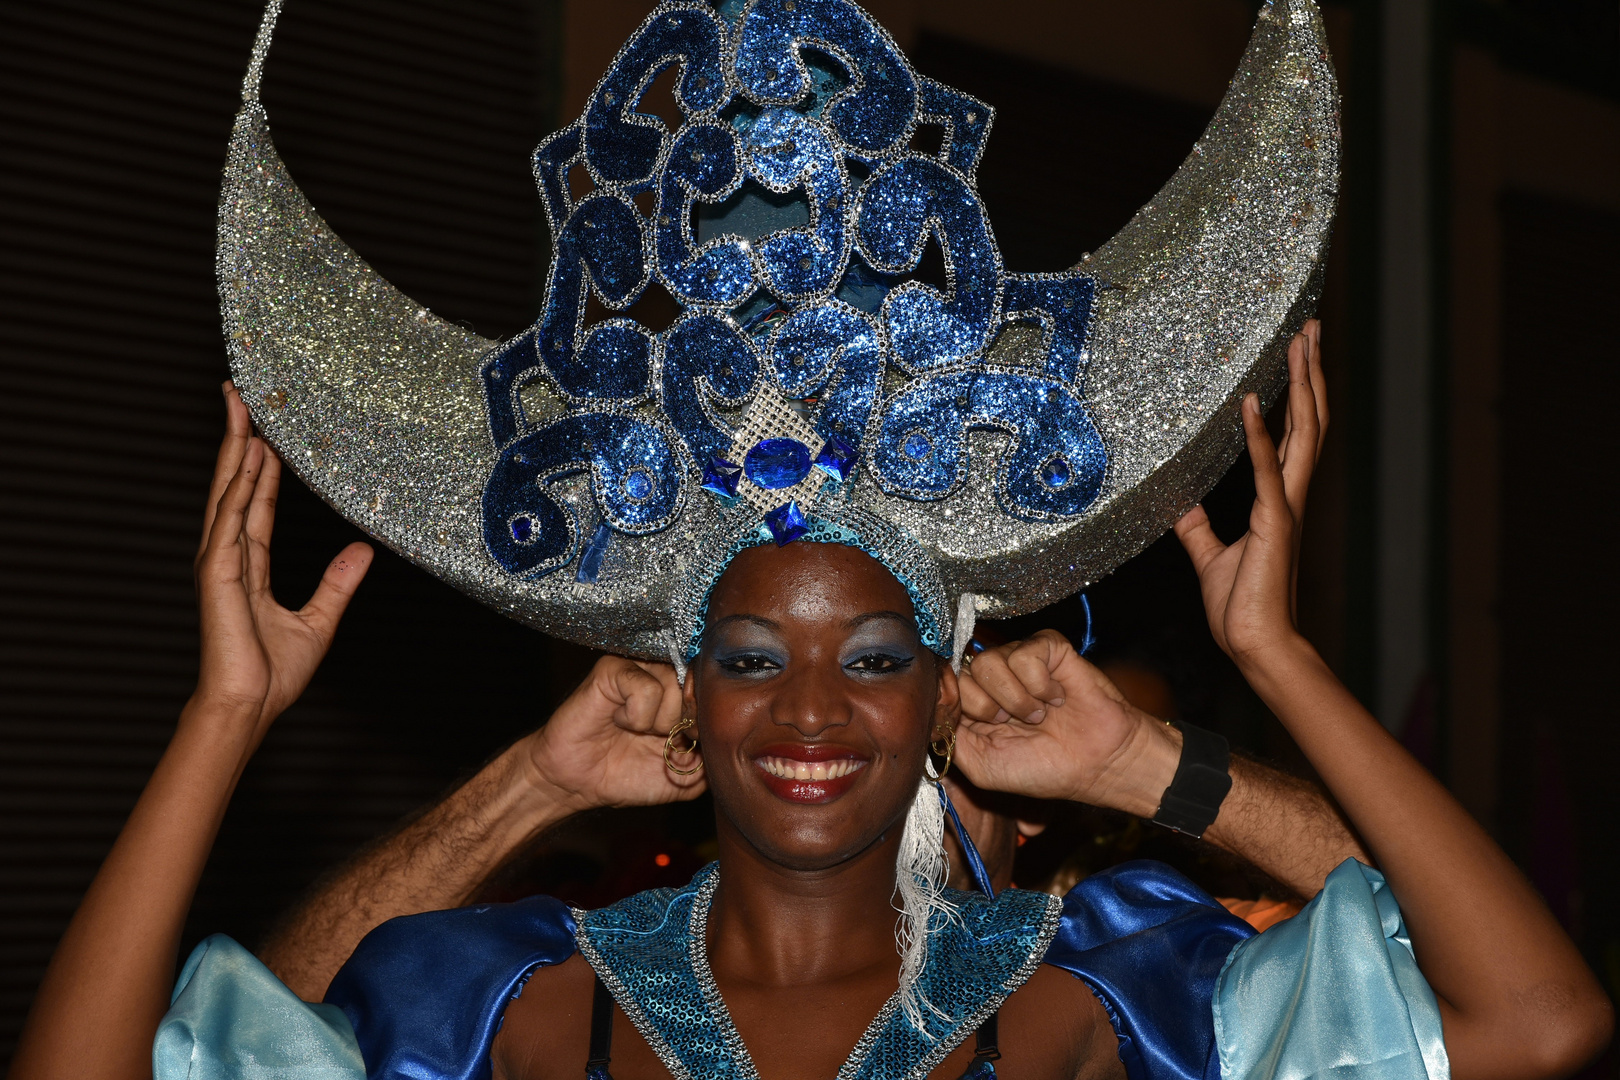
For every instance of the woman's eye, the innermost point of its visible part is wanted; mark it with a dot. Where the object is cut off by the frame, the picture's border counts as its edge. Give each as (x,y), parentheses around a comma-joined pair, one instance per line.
(879,663)
(747,664)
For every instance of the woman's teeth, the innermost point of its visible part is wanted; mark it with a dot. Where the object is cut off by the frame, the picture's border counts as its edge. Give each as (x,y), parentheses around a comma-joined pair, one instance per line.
(789,769)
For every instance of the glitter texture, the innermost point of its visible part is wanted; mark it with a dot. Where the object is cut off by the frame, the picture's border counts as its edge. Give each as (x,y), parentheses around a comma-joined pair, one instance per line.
(1066,419)
(651,951)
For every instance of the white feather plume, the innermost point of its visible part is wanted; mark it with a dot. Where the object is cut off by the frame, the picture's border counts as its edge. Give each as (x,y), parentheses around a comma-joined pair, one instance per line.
(920,874)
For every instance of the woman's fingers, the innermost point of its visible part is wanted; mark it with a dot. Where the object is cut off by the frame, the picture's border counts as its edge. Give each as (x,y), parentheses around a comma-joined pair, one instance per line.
(260,523)
(225,531)
(1268,476)
(1198,537)
(238,430)
(343,576)
(1318,382)
(1304,429)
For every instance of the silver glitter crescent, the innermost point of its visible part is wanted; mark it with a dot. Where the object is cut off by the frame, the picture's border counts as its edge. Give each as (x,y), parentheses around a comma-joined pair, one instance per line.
(387,411)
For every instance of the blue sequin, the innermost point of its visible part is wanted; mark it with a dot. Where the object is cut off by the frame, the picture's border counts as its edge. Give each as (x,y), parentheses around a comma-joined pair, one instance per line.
(787,150)
(705,357)
(704,165)
(899,206)
(874,113)
(1061,304)
(966,119)
(774,464)
(786,523)
(1042,416)
(610,447)
(622,145)
(837,346)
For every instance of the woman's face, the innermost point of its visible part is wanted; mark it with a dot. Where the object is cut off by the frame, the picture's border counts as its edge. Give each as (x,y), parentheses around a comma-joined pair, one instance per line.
(815,701)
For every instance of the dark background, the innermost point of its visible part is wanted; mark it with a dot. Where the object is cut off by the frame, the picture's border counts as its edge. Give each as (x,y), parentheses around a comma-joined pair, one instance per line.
(409,125)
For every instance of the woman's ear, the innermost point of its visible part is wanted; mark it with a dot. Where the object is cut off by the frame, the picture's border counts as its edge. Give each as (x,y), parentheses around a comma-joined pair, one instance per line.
(689,689)
(948,705)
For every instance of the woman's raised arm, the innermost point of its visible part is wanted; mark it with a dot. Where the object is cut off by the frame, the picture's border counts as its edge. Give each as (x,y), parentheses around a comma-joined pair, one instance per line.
(1516,999)
(108,984)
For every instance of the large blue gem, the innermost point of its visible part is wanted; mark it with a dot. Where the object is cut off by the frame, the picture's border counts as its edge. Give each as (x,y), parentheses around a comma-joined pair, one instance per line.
(590,563)
(837,458)
(917,446)
(787,523)
(777,463)
(522,528)
(721,477)
(1056,473)
(639,484)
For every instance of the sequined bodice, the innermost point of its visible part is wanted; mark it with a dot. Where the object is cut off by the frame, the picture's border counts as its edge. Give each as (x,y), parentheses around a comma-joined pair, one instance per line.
(650,951)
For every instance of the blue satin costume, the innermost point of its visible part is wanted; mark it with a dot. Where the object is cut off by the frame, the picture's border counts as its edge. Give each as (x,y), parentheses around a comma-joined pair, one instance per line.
(1192,992)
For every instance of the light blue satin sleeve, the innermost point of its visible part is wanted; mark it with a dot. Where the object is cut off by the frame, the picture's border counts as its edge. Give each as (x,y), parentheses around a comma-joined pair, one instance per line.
(1334,991)
(231,1019)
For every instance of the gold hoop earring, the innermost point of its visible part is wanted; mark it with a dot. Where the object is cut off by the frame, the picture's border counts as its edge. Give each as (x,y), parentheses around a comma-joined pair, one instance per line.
(685,724)
(949,739)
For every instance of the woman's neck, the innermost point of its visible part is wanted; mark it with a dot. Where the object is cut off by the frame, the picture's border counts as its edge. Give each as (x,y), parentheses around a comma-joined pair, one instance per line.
(774,926)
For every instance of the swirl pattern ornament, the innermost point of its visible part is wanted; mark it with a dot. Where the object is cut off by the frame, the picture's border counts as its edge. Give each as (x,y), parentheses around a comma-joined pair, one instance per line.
(1028,432)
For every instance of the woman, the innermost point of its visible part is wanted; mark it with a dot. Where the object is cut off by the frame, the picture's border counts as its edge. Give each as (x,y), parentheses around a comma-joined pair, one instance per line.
(811,654)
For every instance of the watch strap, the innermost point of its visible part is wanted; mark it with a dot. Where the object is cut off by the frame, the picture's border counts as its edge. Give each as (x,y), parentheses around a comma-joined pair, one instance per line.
(1193,799)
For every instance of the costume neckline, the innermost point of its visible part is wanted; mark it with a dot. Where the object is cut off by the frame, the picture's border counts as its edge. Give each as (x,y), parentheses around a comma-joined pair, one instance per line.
(651,951)
(698,945)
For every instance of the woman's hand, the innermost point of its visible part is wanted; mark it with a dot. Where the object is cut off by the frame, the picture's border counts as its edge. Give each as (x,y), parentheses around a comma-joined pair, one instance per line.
(257,656)
(604,746)
(1249,586)
(1039,720)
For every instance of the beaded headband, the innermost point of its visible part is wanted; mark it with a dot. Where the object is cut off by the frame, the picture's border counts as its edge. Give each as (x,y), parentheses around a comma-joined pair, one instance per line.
(1020,434)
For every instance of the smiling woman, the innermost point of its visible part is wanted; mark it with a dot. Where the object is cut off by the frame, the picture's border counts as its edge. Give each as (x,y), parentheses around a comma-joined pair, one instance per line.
(982,447)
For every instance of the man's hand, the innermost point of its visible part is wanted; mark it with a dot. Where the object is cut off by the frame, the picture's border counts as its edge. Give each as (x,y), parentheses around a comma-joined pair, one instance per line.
(1039,720)
(604,746)
(1080,739)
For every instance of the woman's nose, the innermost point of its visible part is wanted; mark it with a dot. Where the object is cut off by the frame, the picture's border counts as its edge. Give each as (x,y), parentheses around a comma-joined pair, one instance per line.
(812,699)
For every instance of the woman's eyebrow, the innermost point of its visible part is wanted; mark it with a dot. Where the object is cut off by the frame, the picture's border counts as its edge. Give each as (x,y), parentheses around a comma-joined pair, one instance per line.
(757,620)
(873,616)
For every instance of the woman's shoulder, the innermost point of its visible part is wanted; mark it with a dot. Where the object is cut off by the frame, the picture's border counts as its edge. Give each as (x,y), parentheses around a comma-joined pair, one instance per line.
(421,990)
(1138,897)
(1151,946)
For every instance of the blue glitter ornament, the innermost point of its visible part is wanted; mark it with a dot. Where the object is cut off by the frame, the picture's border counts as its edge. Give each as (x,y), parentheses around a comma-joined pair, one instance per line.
(798,282)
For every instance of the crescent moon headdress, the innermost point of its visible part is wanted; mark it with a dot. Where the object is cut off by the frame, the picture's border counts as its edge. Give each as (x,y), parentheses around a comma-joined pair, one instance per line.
(998,445)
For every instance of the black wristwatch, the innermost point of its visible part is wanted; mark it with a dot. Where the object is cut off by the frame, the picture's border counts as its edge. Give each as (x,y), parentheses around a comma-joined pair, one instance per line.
(1193,799)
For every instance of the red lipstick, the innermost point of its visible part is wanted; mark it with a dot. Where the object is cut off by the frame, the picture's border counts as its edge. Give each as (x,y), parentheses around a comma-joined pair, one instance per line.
(809,772)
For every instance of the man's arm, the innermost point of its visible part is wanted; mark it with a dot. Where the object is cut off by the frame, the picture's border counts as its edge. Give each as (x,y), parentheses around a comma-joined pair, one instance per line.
(602,747)
(1285,826)
(435,860)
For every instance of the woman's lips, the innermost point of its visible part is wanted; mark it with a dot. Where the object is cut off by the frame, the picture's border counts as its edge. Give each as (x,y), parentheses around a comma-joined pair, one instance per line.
(809,774)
